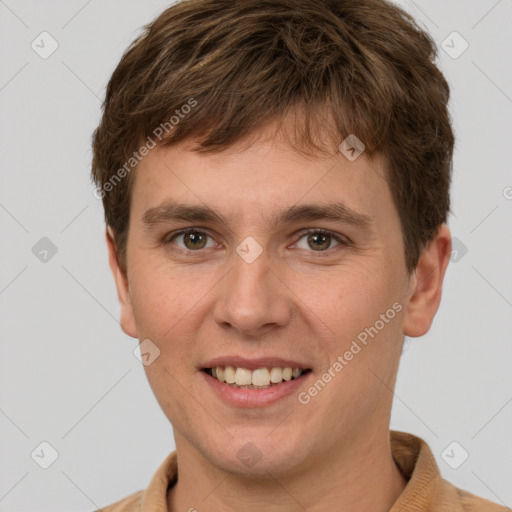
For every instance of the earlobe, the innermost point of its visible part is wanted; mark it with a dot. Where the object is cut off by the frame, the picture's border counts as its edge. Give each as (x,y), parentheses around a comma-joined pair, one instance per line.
(427,283)
(127,320)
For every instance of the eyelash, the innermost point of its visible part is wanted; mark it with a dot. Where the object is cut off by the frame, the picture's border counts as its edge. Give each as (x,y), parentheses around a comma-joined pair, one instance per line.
(341,240)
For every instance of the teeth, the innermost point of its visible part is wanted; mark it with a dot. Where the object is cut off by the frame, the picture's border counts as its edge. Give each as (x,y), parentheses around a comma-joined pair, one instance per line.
(242,377)
(287,373)
(261,377)
(229,374)
(276,375)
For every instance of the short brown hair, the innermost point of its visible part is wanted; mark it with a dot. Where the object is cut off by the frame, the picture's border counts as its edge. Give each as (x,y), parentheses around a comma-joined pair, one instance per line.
(360,67)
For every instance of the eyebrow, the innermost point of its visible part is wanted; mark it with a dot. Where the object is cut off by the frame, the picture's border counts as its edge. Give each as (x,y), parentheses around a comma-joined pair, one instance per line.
(173,211)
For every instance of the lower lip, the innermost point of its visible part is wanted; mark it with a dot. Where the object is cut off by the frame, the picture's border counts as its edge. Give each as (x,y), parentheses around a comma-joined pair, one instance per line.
(242,397)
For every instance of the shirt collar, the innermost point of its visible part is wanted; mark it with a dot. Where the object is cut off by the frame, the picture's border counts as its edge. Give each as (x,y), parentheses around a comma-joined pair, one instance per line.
(418,466)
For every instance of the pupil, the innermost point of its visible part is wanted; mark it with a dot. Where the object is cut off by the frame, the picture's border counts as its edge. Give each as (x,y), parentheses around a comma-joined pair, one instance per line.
(317,237)
(194,238)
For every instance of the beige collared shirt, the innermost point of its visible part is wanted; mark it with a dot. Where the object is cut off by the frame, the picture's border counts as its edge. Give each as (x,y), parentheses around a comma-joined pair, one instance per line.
(426,490)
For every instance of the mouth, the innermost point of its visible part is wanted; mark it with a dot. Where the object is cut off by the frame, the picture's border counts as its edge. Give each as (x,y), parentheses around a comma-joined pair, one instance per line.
(258,378)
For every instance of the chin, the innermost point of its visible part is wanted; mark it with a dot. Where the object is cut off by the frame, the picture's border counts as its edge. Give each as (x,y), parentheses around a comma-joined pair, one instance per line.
(259,454)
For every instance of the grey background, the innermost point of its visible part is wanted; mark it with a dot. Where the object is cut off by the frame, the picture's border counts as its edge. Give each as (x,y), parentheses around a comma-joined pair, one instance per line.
(68,375)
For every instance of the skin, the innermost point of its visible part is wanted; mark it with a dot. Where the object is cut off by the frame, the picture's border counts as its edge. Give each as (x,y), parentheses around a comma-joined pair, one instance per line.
(287,303)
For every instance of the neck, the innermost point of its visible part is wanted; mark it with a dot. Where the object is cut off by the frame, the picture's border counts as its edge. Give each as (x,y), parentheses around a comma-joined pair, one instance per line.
(359,476)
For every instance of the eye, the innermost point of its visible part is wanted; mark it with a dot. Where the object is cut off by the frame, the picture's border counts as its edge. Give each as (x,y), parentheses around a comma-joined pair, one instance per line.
(193,239)
(319,240)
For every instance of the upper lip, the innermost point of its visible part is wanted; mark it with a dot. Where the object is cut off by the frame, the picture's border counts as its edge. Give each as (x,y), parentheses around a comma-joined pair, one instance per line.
(253,364)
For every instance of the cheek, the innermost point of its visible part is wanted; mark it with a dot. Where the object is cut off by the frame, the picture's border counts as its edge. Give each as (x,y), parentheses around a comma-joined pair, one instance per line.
(160,295)
(170,305)
(361,315)
(163,308)
(348,301)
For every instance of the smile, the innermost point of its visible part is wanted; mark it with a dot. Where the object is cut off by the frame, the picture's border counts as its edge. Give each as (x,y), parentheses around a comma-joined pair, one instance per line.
(259,378)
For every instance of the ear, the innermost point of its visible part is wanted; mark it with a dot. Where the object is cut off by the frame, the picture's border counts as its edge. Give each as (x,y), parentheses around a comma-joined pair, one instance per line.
(127,321)
(427,283)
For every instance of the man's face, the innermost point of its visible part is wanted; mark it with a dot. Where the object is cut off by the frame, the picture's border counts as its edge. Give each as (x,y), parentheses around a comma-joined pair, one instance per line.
(305,298)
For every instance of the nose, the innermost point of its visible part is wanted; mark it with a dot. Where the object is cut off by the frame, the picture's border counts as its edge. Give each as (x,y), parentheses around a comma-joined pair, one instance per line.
(252,299)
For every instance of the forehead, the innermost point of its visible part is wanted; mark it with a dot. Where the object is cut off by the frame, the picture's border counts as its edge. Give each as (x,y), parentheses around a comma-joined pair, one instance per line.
(259,180)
